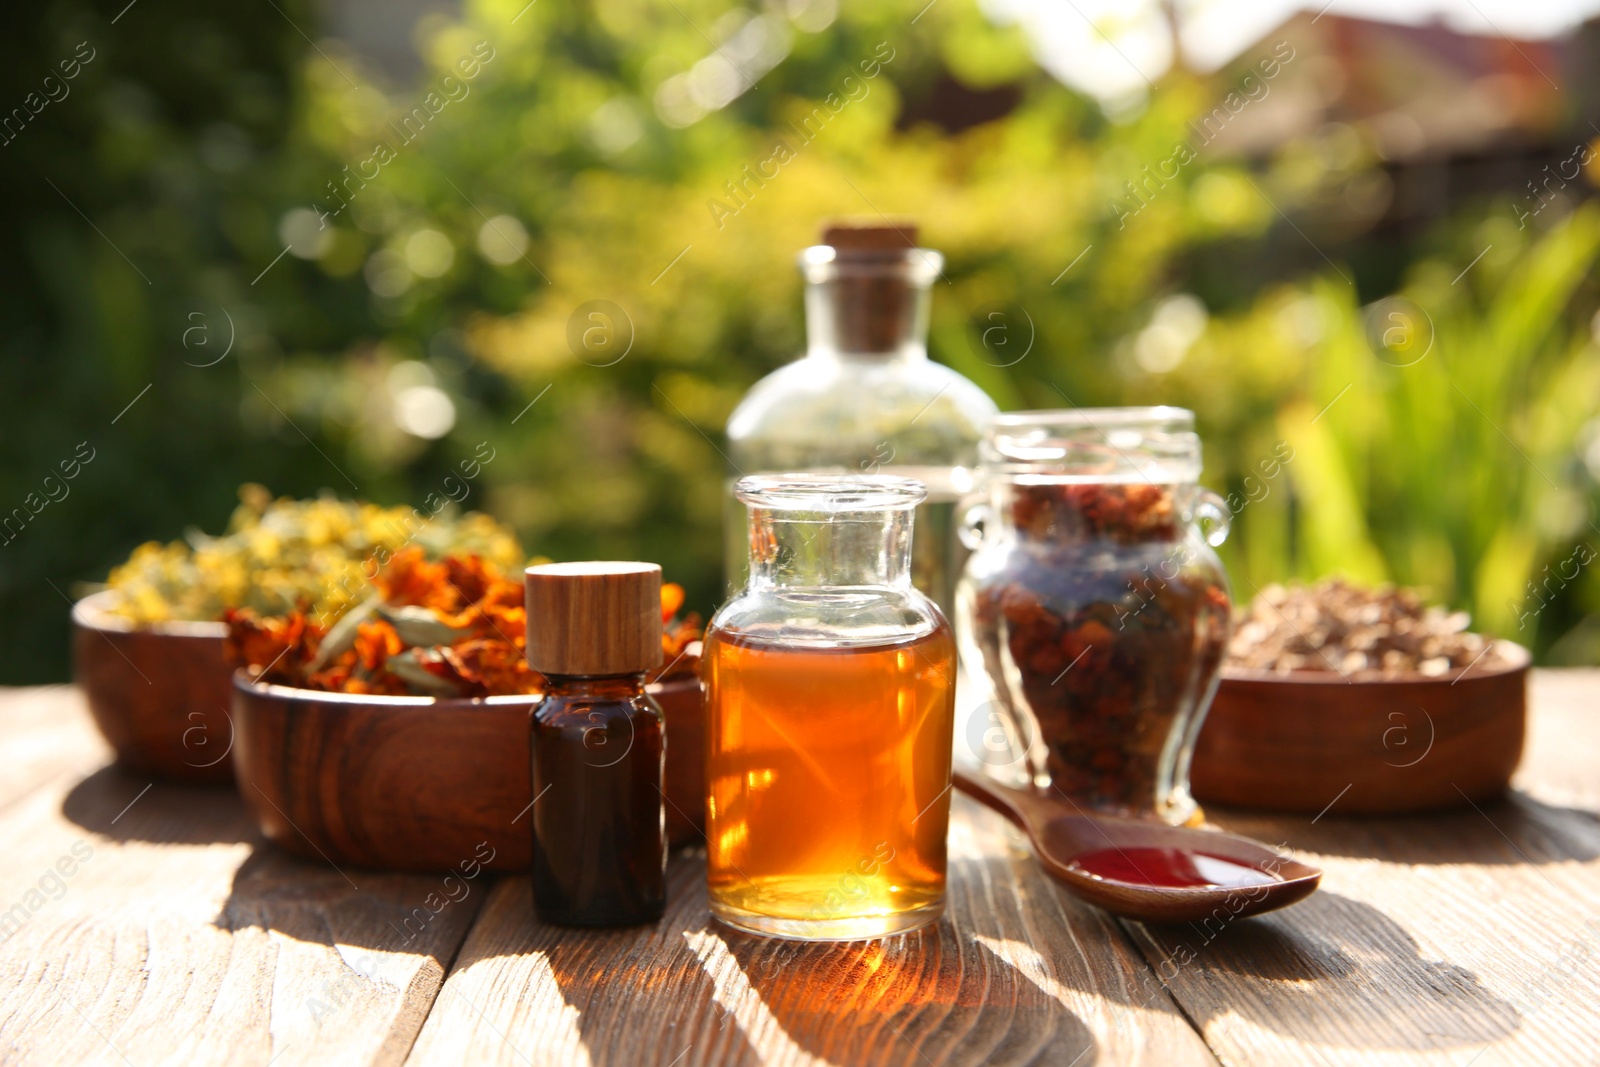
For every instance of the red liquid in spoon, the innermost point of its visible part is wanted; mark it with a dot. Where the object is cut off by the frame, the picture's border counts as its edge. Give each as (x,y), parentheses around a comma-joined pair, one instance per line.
(1170,868)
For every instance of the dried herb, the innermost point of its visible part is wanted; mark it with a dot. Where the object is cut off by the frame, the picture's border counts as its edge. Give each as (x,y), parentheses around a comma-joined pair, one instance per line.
(1123,513)
(1338,627)
(680,637)
(455,627)
(279,555)
(1105,627)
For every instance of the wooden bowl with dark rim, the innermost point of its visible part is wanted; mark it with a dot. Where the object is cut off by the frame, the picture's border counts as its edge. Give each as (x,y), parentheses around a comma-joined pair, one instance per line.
(406,783)
(683,713)
(418,783)
(1313,741)
(158,693)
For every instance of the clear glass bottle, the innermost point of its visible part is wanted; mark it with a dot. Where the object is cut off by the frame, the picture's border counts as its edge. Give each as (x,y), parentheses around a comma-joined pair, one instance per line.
(1094,614)
(865,398)
(830,700)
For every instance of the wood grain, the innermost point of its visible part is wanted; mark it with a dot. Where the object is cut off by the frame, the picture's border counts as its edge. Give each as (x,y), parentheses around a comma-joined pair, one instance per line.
(398,783)
(156,927)
(183,938)
(1016,973)
(1287,743)
(1434,940)
(47,735)
(1563,750)
(159,694)
(593,618)
(683,717)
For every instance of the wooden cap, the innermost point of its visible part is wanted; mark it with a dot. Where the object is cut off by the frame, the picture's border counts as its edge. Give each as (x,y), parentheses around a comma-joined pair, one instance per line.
(594,618)
(852,236)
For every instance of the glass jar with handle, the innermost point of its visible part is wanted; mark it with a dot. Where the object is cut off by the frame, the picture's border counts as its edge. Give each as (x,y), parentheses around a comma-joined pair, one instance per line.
(1093,614)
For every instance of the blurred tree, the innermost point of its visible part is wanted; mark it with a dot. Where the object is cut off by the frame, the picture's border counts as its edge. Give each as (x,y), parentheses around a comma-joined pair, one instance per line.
(133,144)
(572,238)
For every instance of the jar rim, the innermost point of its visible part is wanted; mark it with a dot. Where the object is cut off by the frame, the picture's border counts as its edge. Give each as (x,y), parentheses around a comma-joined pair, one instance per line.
(831,493)
(1155,443)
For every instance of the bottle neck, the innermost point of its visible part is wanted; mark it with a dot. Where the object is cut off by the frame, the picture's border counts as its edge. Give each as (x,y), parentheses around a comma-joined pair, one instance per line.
(814,550)
(873,311)
(595,686)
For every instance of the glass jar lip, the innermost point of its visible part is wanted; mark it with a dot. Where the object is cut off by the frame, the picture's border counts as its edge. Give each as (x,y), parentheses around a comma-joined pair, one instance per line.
(830,493)
(1156,443)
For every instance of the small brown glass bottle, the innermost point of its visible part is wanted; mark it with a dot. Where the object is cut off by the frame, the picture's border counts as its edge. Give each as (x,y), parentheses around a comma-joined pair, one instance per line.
(599,824)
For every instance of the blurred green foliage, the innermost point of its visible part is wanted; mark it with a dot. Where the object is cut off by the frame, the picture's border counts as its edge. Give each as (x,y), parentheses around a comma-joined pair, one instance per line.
(201,141)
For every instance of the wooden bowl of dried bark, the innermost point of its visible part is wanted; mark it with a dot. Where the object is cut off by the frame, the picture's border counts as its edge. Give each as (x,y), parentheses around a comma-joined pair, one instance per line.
(407,783)
(158,693)
(1352,741)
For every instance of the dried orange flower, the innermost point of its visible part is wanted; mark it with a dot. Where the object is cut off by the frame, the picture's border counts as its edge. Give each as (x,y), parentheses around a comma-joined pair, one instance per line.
(680,652)
(454,627)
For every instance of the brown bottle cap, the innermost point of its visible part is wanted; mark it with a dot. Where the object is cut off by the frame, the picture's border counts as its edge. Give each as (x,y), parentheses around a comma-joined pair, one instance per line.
(860,236)
(594,618)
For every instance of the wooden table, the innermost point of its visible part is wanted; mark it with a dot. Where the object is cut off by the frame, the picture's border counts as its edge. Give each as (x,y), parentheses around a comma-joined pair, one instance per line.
(149,924)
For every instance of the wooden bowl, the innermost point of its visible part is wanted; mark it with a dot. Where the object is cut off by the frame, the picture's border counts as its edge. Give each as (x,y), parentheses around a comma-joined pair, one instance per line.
(159,694)
(415,783)
(1311,741)
(393,782)
(683,711)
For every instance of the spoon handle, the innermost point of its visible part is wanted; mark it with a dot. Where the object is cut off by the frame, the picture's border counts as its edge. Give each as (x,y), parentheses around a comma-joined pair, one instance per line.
(1001,798)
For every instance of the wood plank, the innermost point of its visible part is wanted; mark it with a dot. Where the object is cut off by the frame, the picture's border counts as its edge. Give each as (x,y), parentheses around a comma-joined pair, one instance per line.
(1559,762)
(1470,936)
(153,926)
(47,734)
(1016,973)
(182,938)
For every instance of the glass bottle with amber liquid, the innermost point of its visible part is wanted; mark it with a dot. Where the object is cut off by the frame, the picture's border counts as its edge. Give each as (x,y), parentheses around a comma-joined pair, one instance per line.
(830,692)
(865,398)
(599,825)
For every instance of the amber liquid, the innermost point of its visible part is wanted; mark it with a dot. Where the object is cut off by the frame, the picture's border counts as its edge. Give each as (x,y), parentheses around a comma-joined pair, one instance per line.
(828,771)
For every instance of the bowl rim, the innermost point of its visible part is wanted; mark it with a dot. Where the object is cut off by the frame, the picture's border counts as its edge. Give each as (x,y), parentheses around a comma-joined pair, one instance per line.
(93,613)
(243,683)
(1520,661)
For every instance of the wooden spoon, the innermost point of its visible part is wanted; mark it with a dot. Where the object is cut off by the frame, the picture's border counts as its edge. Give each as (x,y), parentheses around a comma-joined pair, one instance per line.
(1147,870)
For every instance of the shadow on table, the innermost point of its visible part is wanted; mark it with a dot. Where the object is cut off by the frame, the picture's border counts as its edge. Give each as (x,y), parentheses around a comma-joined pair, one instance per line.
(1331,971)
(640,993)
(928,996)
(320,903)
(691,991)
(115,803)
(1516,830)
(308,900)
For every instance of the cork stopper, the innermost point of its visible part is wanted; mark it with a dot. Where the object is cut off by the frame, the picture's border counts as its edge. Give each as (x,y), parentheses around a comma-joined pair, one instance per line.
(872,298)
(594,618)
(853,237)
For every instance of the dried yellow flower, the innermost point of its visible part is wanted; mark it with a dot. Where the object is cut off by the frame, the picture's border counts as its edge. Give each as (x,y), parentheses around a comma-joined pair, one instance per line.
(277,556)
